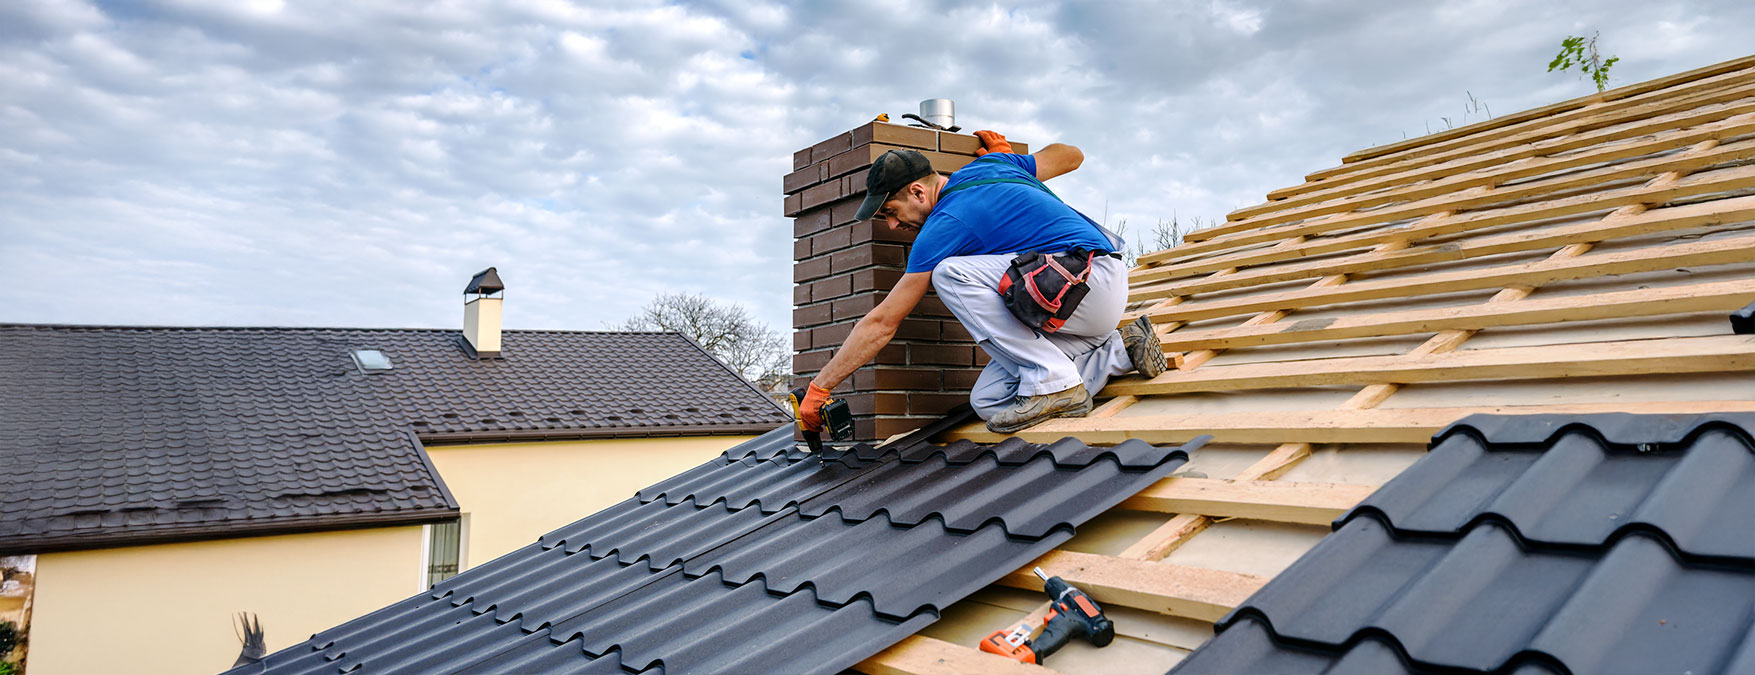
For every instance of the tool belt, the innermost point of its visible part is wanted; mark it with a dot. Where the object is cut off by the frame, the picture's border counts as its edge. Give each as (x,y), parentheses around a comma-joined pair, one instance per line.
(1044,289)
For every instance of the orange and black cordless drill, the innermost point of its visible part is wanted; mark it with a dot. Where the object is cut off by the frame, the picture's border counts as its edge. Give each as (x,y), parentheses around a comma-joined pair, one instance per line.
(837,420)
(1071,614)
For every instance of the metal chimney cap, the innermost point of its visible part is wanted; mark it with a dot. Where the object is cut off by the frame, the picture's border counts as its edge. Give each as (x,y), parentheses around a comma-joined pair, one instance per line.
(485,281)
(940,111)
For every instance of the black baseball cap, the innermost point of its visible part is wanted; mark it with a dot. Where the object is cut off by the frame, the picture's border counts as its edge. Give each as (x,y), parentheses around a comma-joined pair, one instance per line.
(889,173)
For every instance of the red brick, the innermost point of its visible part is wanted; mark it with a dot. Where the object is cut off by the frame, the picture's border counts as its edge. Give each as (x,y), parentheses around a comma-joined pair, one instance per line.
(957,144)
(878,404)
(940,355)
(792,204)
(932,306)
(801,294)
(954,330)
(875,279)
(853,185)
(829,148)
(924,403)
(811,361)
(801,179)
(822,194)
(877,230)
(895,134)
(960,380)
(830,336)
(810,222)
(893,354)
(833,240)
(831,288)
(810,315)
(801,340)
(800,249)
(858,158)
(981,357)
(844,211)
(801,159)
(885,427)
(857,306)
(810,269)
(917,329)
(888,378)
(851,259)
(868,255)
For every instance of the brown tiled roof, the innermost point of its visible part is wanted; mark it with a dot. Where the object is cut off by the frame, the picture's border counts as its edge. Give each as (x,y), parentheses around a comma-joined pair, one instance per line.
(127,435)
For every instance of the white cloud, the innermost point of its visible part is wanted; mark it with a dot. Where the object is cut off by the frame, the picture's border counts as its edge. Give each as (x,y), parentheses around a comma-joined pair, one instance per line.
(345,163)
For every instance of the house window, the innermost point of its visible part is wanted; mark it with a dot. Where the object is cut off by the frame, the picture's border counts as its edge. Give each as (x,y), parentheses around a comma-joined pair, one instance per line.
(444,546)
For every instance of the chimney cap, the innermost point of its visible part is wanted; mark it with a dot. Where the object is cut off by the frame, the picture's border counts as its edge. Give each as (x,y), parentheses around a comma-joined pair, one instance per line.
(485,281)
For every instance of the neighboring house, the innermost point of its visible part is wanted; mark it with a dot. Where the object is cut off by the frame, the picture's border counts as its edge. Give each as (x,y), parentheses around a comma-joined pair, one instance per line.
(169,478)
(1528,273)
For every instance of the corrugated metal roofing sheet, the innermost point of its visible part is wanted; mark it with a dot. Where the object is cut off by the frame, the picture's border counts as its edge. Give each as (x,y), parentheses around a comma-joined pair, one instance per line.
(1584,544)
(766,559)
(114,436)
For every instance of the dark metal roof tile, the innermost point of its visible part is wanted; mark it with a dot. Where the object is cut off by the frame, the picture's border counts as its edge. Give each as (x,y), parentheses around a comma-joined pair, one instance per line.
(764,538)
(285,405)
(1619,549)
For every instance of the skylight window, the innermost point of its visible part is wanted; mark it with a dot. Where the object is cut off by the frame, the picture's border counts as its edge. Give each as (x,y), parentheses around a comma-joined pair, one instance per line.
(371,360)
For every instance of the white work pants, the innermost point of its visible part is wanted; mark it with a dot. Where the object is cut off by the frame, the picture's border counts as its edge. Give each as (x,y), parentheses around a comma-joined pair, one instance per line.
(1024,361)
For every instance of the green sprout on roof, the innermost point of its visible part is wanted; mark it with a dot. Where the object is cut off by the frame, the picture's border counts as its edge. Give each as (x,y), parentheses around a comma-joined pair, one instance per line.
(1577,51)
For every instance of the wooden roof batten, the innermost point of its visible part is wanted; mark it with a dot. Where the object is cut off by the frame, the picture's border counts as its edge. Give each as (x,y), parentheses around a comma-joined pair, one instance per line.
(1626,191)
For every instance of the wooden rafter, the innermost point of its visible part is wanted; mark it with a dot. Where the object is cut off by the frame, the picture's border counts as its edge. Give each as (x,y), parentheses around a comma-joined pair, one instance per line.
(1309,503)
(1719,89)
(1723,295)
(1660,220)
(1465,198)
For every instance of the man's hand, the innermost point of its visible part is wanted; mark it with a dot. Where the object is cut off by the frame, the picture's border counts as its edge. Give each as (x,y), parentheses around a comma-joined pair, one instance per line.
(810,410)
(991,141)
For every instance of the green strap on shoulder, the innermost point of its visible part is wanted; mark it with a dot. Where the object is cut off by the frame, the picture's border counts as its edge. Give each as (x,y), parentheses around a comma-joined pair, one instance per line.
(1029,180)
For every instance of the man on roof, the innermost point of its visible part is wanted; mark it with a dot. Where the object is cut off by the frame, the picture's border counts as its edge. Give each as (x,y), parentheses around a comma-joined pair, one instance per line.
(971,225)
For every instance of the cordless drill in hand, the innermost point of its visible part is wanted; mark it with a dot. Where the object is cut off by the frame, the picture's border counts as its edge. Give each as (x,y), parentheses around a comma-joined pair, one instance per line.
(1071,614)
(837,420)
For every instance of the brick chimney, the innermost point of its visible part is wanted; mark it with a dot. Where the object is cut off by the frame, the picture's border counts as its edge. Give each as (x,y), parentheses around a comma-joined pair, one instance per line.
(843,268)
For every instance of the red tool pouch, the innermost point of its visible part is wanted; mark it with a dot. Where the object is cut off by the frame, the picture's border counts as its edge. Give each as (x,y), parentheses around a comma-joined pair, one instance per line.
(1043,290)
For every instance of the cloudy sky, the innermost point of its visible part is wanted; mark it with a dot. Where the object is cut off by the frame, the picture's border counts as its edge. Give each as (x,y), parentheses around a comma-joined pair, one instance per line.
(344,163)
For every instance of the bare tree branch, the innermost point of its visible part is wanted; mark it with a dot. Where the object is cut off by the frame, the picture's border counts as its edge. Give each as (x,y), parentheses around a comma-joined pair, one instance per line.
(727,331)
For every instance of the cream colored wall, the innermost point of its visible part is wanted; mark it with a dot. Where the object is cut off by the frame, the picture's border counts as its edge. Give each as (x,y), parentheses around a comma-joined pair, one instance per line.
(169,608)
(513,493)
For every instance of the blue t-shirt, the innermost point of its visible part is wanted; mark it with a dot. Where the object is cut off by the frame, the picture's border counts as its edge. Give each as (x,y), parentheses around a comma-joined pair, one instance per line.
(1000,218)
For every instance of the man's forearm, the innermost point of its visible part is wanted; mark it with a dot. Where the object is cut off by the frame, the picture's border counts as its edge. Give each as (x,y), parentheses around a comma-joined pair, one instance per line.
(867,338)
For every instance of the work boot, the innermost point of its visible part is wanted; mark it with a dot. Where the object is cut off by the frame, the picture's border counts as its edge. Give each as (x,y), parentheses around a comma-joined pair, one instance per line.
(1143,347)
(1028,410)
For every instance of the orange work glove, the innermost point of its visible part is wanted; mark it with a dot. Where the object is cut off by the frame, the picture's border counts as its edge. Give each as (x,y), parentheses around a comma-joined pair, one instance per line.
(810,410)
(991,141)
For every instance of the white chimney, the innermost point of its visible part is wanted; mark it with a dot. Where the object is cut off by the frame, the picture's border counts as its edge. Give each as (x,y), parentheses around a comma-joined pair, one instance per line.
(481,313)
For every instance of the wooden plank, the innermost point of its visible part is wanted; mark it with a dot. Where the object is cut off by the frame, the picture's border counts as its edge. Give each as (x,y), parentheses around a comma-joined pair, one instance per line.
(1309,503)
(921,655)
(1701,253)
(1471,199)
(1704,214)
(1176,590)
(1716,353)
(1616,94)
(1499,162)
(1167,537)
(1721,180)
(1723,295)
(1717,90)
(1400,425)
(1418,199)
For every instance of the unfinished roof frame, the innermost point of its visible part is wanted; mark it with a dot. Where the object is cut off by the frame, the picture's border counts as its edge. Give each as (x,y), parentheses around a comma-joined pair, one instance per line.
(1689,142)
